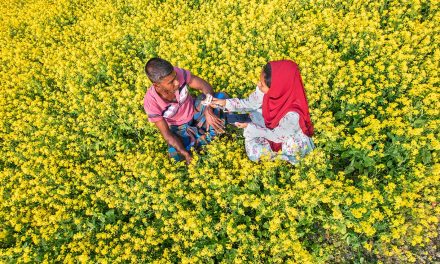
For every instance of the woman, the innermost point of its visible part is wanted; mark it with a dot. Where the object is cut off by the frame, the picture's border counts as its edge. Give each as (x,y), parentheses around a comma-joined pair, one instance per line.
(279,113)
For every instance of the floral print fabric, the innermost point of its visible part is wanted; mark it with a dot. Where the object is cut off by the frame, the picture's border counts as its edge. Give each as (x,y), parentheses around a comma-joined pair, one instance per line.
(294,142)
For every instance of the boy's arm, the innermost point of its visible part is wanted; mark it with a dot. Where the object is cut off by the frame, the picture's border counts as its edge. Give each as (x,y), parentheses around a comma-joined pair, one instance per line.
(200,84)
(211,119)
(172,139)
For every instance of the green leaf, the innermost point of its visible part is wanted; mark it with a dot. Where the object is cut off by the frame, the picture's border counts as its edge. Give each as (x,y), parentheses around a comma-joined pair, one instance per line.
(426,156)
(342,229)
(368,162)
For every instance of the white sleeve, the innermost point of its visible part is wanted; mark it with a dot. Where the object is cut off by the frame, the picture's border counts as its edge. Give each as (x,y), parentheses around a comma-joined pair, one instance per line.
(253,102)
(287,127)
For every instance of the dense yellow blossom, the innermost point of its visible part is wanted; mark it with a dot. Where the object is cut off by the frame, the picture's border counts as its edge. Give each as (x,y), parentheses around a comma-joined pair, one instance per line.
(84,178)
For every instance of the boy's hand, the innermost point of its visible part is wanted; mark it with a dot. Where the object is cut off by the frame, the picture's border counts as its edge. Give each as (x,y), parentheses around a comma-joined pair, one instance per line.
(187,157)
(213,120)
(241,125)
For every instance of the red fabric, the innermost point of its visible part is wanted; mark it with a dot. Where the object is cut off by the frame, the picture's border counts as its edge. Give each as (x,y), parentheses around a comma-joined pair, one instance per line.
(286,94)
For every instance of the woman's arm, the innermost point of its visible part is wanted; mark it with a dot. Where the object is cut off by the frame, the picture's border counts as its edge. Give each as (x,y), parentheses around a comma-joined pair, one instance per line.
(253,102)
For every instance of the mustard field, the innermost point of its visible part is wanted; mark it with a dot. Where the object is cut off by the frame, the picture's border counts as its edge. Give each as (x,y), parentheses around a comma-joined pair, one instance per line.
(85,178)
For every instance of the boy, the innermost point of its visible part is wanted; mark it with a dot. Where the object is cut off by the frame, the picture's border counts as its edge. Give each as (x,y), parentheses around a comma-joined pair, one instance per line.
(182,121)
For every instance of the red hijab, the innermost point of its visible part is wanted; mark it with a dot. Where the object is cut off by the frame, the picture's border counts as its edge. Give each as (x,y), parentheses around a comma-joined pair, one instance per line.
(286,93)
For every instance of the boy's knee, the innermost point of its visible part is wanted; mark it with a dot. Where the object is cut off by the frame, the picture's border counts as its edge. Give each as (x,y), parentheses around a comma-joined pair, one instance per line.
(197,104)
(221,95)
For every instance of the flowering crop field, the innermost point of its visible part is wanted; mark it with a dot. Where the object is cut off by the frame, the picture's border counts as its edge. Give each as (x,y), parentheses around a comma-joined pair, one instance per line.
(85,178)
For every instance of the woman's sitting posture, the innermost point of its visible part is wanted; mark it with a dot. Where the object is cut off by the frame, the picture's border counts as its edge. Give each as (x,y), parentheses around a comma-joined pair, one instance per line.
(279,113)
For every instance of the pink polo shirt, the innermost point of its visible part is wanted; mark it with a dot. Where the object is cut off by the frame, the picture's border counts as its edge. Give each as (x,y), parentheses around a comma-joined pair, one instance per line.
(177,113)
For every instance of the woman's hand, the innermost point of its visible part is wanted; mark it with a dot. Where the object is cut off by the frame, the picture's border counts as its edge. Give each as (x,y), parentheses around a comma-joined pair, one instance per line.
(241,125)
(218,102)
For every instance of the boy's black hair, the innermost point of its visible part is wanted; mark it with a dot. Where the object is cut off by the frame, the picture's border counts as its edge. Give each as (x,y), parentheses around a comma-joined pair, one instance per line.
(267,74)
(157,68)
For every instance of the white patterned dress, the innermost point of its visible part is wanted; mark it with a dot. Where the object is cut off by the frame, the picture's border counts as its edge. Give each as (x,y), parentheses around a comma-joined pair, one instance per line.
(288,132)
